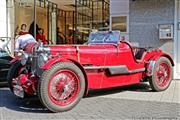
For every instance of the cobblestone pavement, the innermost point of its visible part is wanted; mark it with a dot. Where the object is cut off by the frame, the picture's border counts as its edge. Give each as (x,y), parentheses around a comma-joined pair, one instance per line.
(135,102)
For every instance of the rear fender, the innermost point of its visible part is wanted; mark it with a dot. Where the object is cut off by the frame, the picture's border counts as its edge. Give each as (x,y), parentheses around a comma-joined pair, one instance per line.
(156,57)
(152,62)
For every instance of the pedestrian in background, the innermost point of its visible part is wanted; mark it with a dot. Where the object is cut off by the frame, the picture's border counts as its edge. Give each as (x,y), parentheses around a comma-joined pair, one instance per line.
(40,37)
(23,30)
(32,29)
(60,37)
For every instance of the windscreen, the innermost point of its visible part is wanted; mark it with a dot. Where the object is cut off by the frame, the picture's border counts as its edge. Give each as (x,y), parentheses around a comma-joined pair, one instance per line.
(104,37)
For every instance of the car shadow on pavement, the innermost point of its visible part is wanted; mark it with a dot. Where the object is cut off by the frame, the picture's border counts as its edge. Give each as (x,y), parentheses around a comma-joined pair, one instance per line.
(29,104)
(33,104)
(142,87)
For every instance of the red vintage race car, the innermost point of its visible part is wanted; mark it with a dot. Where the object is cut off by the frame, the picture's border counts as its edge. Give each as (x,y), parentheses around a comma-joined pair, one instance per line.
(62,74)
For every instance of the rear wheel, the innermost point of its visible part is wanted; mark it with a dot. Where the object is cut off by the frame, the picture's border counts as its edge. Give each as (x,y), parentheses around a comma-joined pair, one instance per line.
(61,87)
(162,75)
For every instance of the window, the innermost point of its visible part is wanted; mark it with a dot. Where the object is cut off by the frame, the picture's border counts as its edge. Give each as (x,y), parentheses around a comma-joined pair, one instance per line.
(119,23)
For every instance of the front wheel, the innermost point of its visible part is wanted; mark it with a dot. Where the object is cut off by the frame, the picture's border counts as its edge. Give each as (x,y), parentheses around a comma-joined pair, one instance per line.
(15,70)
(61,87)
(162,75)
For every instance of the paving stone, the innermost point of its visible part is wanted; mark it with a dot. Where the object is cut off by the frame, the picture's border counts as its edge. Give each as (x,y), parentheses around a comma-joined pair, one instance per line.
(112,104)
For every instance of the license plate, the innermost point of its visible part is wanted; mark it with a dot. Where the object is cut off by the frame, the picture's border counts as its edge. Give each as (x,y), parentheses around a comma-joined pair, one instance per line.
(18,91)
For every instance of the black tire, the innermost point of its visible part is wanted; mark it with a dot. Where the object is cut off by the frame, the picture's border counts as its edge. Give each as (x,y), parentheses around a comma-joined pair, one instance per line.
(44,82)
(13,72)
(153,81)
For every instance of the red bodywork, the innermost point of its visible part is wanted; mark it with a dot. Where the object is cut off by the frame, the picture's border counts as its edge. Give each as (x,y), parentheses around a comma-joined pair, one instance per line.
(104,65)
(94,60)
(62,74)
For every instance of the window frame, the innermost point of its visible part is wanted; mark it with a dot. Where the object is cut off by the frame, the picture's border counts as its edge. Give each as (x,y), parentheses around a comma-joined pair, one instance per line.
(127,22)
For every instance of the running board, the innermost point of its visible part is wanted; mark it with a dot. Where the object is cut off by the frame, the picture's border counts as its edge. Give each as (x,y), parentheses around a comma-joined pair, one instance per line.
(116,70)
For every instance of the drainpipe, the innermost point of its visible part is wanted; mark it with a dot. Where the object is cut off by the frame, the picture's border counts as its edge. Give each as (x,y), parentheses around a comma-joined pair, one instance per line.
(35,19)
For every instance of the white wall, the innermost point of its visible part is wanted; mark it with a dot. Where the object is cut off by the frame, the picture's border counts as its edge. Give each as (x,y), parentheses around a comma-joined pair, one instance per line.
(3,18)
(177,41)
(120,8)
(3,28)
(7,22)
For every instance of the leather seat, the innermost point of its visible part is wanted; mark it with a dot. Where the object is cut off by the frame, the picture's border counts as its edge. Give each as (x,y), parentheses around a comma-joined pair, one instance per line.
(139,53)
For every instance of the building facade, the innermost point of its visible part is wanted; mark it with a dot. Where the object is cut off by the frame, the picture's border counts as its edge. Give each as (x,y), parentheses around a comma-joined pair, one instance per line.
(149,23)
(146,23)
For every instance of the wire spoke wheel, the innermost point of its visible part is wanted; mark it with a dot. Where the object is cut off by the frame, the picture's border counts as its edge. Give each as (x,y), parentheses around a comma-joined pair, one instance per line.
(162,74)
(61,87)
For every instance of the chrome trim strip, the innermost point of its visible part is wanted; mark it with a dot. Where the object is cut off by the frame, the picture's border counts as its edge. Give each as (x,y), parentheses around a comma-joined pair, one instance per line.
(5,69)
(126,71)
(137,70)
(100,67)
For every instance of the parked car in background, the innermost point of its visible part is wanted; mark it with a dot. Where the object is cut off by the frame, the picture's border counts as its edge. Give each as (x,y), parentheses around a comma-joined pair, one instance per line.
(62,74)
(5,64)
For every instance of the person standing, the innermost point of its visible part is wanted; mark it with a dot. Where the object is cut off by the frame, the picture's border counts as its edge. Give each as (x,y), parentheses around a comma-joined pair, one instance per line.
(32,29)
(40,37)
(23,30)
(60,36)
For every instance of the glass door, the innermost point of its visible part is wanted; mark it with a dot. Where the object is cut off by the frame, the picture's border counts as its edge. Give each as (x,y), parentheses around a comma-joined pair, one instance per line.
(42,20)
(66,27)
(84,18)
(91,15)
(24,15)
(46,20)
(52,22)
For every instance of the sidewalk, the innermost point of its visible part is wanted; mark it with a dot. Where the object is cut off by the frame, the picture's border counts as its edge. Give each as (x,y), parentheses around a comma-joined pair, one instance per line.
(171,95)
(135,102)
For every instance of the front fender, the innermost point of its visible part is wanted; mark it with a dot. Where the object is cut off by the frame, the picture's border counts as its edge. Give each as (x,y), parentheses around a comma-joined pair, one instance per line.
(152,62)
(52,61)
(59,59)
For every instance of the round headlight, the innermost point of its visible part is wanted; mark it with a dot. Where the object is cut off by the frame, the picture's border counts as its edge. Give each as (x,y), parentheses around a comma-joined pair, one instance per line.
(42,58)
(24,58)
